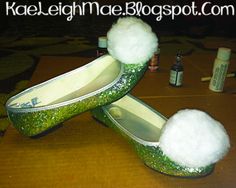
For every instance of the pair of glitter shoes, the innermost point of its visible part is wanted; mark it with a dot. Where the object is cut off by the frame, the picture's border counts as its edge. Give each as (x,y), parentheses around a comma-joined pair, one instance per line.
(168,146)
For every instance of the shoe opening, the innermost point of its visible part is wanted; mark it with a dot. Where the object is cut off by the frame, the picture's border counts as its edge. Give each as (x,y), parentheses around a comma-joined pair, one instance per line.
(77,83)
(136,119)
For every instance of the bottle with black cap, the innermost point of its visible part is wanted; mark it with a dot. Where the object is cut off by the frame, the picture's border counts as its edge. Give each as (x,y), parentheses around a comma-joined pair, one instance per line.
(176,72)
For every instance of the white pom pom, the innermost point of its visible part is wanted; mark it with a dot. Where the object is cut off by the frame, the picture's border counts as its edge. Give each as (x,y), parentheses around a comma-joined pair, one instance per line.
(192,138)
(131,41)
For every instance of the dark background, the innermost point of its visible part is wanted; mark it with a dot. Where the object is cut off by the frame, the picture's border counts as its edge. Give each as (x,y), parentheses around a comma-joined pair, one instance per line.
(92,25)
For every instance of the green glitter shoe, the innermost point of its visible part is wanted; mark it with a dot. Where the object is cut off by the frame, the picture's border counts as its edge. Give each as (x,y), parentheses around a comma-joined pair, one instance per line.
(98,83)
(142,126)
(131,44)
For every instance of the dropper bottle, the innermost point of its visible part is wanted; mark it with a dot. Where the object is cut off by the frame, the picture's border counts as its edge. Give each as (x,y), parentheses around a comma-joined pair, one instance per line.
(176,72)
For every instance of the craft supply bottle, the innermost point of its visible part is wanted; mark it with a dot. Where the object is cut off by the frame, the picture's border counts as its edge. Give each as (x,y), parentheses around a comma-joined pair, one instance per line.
(176,72)
(102,46)
(155,61)
(220,70)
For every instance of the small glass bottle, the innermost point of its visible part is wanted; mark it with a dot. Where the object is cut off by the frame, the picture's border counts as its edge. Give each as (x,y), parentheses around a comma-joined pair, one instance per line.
(154,61)
(102,46)
(176,72)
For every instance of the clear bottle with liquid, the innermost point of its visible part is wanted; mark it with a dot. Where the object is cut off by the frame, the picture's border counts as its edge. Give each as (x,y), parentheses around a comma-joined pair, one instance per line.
(176,72)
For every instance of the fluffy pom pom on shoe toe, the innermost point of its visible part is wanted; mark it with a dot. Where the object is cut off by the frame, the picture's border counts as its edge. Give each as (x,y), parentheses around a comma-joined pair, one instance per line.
(131,41)
(192,138)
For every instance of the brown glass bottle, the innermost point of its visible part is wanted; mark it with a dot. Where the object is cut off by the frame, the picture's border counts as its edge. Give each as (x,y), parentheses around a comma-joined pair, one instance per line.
(176,72)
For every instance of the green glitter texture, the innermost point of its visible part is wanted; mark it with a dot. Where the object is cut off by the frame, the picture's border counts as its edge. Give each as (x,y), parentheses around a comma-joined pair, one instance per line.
(153,156)
(35,122)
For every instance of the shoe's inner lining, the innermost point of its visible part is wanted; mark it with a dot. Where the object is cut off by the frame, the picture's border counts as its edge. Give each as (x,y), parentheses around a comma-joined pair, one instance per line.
(75,84)
(137,119)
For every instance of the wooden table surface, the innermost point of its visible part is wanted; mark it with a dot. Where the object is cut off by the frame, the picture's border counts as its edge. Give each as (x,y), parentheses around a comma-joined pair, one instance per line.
(83,153)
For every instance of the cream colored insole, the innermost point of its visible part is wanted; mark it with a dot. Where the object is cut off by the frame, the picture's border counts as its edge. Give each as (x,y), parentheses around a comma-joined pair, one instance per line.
(74,84)
(98,82)
(138,124)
